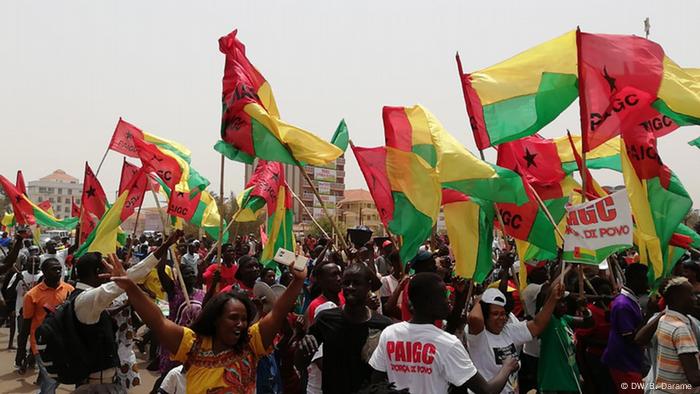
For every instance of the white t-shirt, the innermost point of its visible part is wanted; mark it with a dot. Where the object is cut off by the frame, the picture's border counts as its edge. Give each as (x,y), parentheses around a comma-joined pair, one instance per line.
(175,382)
(422,358)
(489,350)
(26,282)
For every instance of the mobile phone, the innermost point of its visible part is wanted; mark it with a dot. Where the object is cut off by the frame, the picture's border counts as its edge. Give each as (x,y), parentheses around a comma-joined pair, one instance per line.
(288,258)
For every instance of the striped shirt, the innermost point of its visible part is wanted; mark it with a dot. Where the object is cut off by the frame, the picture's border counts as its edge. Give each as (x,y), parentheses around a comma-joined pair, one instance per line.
(674,337)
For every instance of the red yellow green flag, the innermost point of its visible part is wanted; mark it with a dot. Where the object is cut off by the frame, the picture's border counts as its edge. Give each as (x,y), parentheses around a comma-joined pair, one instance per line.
(406,192)
(416,130)
(104,238)
(169,159)
(658,199)
(267,187)
(28,213)
(521,95)
(250,124)
(619,75)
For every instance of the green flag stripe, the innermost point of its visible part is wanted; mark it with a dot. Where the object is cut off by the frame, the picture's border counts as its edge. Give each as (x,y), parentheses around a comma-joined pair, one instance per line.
(413,225)
(521,116)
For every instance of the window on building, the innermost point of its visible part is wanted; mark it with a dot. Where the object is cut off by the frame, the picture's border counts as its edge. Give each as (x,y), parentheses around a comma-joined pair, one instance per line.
(50,190)
(51,200)
(67,200)
(60,190)
(77,201)
(42,190)
(40,199)
(69,191)
(66,210)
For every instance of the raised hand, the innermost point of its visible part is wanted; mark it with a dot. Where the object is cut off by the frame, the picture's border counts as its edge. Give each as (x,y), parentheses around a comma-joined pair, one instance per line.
(116,272)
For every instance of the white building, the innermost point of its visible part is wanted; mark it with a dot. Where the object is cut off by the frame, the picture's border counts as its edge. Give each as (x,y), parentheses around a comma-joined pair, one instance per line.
(58,188)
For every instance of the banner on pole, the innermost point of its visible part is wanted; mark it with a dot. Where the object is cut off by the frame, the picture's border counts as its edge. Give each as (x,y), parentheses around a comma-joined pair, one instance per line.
(596,229)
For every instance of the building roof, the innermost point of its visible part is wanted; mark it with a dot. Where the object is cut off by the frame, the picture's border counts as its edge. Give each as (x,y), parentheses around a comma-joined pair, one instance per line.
(60,176)
(356,195)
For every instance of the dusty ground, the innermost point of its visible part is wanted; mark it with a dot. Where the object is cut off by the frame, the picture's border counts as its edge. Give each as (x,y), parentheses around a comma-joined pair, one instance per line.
(12,382)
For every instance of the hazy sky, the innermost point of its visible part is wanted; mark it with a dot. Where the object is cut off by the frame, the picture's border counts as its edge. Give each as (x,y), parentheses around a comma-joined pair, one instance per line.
(70,69)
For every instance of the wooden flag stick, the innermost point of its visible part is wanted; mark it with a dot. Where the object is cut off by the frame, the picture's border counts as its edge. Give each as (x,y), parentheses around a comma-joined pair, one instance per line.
(101,162)
(221,214)
(167,229)
(325,234)
(546,211)
(318,197)
(133,233)
(217,244)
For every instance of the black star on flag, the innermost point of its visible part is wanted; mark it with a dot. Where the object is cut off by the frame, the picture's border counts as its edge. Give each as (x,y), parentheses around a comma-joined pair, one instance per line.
(610,80)
(90,192)
(530,158)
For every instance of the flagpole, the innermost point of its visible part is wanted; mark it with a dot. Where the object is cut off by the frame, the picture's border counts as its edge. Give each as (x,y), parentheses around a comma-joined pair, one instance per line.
(168,230)
(318,197)
(160,211)
(133,233)
(325,234)
(582,115)
(221,214)
(102,161)
(226,229)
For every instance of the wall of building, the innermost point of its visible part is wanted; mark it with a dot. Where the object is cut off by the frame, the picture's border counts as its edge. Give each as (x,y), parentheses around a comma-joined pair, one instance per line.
(59,193)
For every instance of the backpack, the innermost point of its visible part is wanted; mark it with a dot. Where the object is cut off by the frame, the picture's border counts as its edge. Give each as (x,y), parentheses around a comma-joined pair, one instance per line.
(59,344)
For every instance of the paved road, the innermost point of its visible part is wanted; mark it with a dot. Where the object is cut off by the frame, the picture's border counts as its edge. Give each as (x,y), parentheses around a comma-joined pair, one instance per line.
(12,382)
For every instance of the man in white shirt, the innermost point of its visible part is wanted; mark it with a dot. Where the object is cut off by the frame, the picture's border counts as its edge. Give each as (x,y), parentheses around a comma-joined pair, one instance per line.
(191,258)
(53,252)
(95,296)
(22,282)
(418,356)
(491,340)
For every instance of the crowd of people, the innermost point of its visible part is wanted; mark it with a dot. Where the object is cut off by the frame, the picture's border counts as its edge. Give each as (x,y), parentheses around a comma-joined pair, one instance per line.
(354,320)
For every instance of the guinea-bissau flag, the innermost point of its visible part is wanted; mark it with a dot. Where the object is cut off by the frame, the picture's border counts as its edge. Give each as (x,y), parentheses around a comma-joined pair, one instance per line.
(658,199)
(546,162)
(521,95)
(468,185)
(169,159)
(200,211)
(620,75)
(406,192)
(537,160)
(267,188)
(250,124)
(93,203)
(261,190)
(416,130)
(105,237)
(28,213)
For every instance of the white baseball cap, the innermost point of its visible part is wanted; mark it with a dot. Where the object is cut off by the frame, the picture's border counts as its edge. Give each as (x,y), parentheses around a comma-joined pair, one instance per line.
(494,296)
